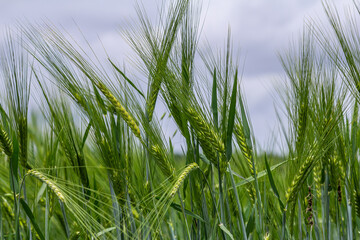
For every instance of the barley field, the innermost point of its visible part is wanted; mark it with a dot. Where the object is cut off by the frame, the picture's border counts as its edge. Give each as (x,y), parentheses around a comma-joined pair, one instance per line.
(91,161)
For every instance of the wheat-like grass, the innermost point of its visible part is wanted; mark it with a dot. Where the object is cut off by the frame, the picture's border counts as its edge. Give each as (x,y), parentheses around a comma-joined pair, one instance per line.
(23,136)
(151,101)
(48,182)
(204,131)
(5,142)
(9,210)
(181,178)
(357,202)
(300,130)
(119,107)
(245,149)
(309,208)
(299,179)
(165,165)
(317,178)
(251,191)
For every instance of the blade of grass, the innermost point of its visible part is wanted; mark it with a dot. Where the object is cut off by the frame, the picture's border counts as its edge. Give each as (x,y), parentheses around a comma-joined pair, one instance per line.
(127,79)
(272,183)
(226,231)
(231,119)
(243,229)
(214,107)
(32,218)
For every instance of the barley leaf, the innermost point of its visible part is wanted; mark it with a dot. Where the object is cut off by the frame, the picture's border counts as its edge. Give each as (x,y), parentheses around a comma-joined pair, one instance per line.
(14,161)
(86,135)
(126,78)
(214,100)
(32,218)
(225,230)
(272,183)
(231,119)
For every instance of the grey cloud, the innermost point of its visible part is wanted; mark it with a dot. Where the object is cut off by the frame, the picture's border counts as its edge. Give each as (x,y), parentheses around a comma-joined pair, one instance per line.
(260,29)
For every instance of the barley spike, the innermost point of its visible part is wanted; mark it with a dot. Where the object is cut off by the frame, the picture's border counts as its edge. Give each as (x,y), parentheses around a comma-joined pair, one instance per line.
(48,182)
(182,177)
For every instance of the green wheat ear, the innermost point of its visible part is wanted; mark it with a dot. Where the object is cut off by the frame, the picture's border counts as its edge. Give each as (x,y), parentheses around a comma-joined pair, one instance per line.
(5,142)
(300,178)
(182,178)
(357,202)
(48,182)
(204,130)
(119,107)
(245,149)
(163,161)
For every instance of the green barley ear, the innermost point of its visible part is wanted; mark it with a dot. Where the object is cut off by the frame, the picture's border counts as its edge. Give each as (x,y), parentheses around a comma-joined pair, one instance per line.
(163,161)
(317,178)
(5,142)
(16,72)
(244,147)
(153,95)
(23,136)
(309,208)
(182,178)
(119,107)
(48,182)
(203,130)
(10,212)
(300,178)
(251,191)
(357,202)
(154,48)
(248,154)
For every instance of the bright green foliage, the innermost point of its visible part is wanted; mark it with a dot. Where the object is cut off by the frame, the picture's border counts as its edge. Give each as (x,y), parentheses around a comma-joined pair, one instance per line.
(92,161)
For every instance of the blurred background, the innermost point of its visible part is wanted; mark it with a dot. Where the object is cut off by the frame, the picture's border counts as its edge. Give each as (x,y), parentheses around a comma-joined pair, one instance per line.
(260,31)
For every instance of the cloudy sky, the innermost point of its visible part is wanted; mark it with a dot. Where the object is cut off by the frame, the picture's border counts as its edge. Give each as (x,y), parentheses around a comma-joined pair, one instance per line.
(261,29)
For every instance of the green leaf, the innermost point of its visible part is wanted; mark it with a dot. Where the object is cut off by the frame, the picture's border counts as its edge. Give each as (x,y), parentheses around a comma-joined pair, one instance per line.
(66,224)
(126,78)
(31,217)
(259,175)
(204,159)
(86,134)
(250,226)
(105,231)
(177,207)
(225,230)
(272,183)
(1,224)
(214,107)
(231,119)
(14,162)
(245,123)
(40,192)
(99,100)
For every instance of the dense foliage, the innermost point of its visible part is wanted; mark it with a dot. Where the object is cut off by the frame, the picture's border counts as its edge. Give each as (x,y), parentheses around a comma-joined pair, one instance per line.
(94,162)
